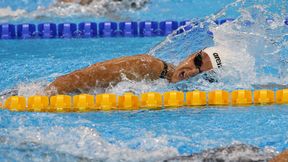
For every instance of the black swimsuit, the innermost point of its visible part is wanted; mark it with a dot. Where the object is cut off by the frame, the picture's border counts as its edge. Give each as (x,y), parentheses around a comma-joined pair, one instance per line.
(164,72)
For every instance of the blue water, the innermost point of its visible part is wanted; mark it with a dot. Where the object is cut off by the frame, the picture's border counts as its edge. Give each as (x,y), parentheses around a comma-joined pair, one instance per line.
(131,136)
(186,130)
(156,10)
(55,57)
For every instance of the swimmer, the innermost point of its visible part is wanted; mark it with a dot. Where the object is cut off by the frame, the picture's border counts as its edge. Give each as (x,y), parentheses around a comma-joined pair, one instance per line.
(136,68)
(133,4)
(111,72)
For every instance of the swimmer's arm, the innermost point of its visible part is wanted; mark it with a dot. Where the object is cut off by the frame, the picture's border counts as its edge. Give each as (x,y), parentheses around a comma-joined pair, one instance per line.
(107,73)
(67,83)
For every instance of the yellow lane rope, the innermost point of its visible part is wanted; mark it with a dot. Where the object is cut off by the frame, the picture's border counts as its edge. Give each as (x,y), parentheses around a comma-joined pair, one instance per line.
(149,100)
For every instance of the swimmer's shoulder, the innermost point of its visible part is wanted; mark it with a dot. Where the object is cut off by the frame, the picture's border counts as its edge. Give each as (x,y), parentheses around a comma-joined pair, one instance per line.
(139,58)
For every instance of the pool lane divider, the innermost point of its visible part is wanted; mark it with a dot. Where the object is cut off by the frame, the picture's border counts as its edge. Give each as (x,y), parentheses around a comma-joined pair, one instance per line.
(92,29)
(145,101)
(104,29)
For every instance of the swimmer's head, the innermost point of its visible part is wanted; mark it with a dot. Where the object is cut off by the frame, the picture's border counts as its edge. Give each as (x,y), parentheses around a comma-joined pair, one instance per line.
(191,66)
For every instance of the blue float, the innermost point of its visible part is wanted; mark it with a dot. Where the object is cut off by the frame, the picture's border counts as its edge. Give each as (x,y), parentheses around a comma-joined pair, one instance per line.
(26,31)
(167,27)
(7,31)
(222,21)
(47,30)
(286,21)
(269,20)
(148,28)
(247,23)
(128,29)
(188,25)
(107,29)
(87,29)
(67,30)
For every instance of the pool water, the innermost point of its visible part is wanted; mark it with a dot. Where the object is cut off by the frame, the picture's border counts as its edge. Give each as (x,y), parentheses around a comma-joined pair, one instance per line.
(27,65)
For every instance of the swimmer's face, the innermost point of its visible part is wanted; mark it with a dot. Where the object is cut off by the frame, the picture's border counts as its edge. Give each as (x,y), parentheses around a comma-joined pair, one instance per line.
(185,69)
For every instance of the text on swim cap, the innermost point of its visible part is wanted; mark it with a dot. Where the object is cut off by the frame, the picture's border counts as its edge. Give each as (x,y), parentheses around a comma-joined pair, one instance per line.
(218,60)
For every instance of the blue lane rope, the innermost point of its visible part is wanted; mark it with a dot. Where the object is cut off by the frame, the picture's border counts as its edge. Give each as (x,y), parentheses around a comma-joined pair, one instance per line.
(92,29)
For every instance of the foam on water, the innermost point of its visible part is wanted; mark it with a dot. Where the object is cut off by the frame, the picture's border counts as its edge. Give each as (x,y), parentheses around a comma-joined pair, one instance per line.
(86,143)
(143,86)
(143,136)
(97,8)
(8,12)
(232,153)
(257,44)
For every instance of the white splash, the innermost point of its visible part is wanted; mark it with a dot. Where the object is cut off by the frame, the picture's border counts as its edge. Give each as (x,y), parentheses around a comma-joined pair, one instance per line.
(31,89)
(87,143)
(257,47)
(96,8)
(8,12)
(143,86)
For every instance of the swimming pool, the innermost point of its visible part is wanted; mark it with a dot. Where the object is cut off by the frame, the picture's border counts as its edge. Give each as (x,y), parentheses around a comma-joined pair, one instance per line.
(143,135)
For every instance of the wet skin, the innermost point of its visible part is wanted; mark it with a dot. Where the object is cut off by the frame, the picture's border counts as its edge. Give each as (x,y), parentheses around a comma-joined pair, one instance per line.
(283,157)
(187,68)
(136,68)
(109,73)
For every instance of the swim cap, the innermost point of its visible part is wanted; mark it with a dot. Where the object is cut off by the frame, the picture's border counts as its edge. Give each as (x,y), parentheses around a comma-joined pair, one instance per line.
(219,56)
